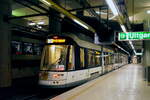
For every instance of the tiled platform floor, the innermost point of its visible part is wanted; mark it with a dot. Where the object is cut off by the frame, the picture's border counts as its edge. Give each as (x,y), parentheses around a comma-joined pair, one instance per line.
(126,83)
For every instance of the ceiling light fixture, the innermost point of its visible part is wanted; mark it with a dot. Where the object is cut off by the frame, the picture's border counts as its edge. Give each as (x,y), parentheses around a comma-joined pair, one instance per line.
(112,5)
(121,48)
(31,23)
(148,11)
(46,2)
(76,21)
(39,27)
(98,12)
(103,13)
(112,17)
(139,54)
(130,42)
(41,23)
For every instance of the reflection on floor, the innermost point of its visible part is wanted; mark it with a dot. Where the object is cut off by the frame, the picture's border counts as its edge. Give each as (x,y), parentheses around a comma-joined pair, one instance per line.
(126,83)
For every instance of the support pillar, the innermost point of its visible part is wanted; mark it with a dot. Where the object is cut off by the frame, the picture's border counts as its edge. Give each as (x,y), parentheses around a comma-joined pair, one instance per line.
(146,60)
(5,41)
(80,13)
(54,22)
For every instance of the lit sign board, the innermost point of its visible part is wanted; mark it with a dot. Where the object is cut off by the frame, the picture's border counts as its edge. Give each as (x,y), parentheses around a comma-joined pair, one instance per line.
(140,54)
(56,41)
(134,36)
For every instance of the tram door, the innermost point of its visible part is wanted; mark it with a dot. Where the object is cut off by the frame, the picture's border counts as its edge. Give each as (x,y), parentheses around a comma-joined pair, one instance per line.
(71,65)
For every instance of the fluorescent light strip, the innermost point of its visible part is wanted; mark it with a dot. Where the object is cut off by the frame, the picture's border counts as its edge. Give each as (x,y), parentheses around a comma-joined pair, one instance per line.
(113,7)
(121,48)
(112,17)
(41,23)
(46,2)
(140,54)
(80,24)
(134,52)
(50,4)
(123,28)
(31,23)
(103,13)
(130,42)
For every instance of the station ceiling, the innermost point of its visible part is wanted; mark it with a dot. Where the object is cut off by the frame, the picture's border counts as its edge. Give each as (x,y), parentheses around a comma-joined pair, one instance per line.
(136,10)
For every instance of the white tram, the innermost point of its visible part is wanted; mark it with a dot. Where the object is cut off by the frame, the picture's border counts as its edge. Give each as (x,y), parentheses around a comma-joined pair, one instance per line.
(68,61)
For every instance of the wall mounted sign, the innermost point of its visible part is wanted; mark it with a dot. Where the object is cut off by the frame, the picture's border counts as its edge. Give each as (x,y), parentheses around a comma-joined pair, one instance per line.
(133,36)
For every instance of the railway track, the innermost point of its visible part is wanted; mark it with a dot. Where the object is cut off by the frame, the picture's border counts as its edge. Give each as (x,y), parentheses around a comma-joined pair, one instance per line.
(40,95)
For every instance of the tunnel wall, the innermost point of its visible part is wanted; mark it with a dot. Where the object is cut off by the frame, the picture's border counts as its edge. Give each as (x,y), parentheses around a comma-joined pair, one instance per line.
(25,63)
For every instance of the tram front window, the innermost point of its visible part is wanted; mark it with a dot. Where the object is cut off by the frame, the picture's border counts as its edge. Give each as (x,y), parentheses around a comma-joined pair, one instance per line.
(54,57)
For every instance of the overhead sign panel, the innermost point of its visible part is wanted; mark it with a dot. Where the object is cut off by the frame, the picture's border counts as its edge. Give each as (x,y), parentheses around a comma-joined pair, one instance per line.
(134,36)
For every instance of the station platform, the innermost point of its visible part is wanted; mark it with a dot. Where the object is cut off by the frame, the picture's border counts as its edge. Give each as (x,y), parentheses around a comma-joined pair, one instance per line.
(126,83)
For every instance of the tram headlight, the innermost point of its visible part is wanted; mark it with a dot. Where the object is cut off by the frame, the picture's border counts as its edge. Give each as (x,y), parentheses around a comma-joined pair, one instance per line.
(43,75)
(56,75)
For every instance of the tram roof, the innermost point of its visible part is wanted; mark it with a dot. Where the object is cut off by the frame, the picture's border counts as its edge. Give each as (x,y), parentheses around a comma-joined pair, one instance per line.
(82,43)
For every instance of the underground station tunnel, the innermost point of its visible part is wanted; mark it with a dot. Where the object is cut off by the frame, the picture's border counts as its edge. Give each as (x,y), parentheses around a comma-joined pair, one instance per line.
(74,50)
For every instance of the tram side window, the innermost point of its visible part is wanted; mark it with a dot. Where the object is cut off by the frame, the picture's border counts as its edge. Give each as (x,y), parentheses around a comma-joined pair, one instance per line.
(71,63)
(91,59)
(97,59)
(82,58)
(111,59)
(119,58)
(106,59)
(115,58)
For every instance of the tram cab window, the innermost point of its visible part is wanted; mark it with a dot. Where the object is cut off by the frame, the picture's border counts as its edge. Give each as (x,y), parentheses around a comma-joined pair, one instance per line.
(71,62)
(82,63)
(54,57)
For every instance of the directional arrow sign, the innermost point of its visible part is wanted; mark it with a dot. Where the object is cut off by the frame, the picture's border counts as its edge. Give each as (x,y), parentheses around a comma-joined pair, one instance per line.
(133,36)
